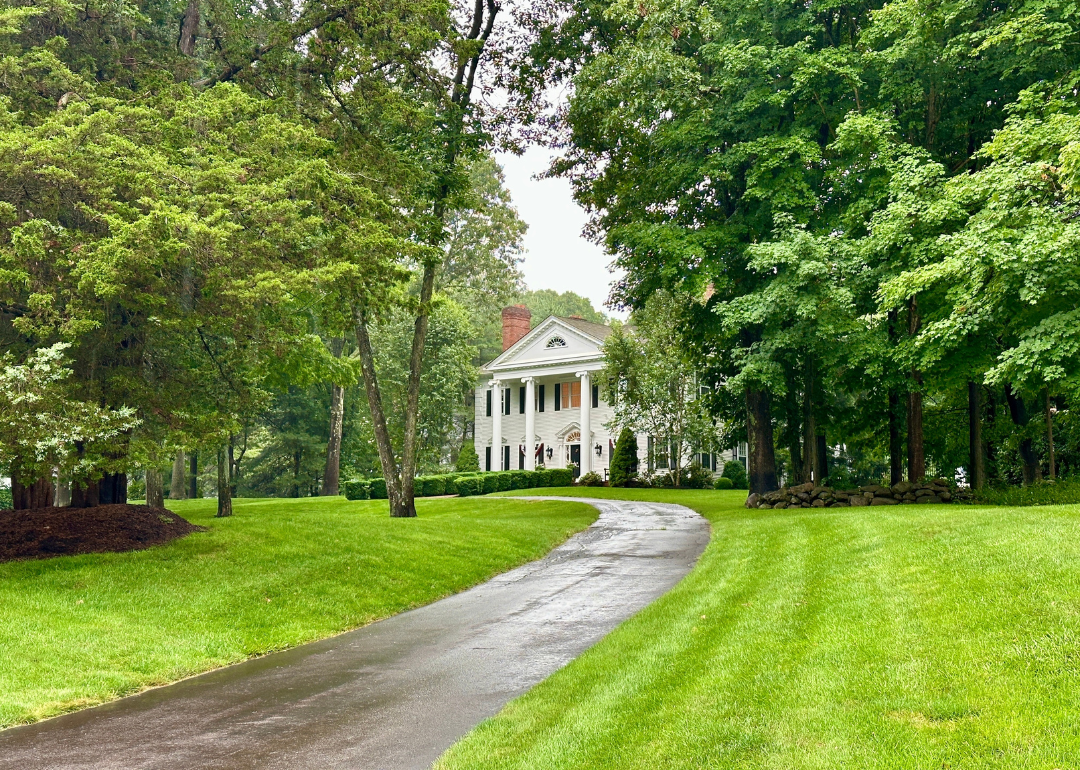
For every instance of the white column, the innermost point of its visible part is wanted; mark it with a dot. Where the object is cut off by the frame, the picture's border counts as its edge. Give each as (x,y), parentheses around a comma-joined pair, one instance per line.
(530,423)
(496,425)
(586,422)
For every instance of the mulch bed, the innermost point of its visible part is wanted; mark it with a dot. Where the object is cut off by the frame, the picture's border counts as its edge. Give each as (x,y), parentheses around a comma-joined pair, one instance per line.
(43,533)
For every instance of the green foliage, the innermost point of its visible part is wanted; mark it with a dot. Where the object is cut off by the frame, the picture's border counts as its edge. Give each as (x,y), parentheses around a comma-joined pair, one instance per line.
(624,459)
(736,471)
(503,480)
(357,490)
(468,486)
(591,479)
(467,459)
(546,302)
(430,486)
(723,482)
(559,477)
(521,479)
(1060,492)
(377,488)
(490,482)
(697,477)
(5,499)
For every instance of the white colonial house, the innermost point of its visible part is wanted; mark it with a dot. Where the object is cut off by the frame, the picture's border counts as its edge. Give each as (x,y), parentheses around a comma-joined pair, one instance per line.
(538,402)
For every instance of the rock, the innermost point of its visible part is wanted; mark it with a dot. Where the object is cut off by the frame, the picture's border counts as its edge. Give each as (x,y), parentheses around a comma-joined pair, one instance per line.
(819,503)
(841,495)
(816,491)
(940,482)
(794,500)
(780,505)
(924,493)
(752,501)
(945,497)
(876,489)
(930,499)
(909,497)
(802,488)
(773,497)
(762,506)
(883,501)
(804,505)
(857,500)
(843,504)
(902,488)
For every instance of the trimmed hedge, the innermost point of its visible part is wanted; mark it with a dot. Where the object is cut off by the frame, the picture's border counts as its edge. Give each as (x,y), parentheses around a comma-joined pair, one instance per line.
(723,482)
(467,486)
(560,477)
(357,490)
(377,487)
(490,482)
(521,479)
(430,486)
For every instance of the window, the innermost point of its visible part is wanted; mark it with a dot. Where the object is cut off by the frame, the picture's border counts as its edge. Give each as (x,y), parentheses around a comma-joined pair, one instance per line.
(571,395)
(556,342)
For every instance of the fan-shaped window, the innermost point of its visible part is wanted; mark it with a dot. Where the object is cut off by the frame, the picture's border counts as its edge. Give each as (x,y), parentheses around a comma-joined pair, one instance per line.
(556,342)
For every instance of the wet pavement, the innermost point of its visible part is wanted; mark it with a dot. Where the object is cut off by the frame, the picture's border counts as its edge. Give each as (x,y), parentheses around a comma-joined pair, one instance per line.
(397,693)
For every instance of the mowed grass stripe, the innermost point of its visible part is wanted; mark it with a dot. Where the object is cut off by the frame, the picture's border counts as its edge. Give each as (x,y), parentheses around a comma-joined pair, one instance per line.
(76,631)
(906,637)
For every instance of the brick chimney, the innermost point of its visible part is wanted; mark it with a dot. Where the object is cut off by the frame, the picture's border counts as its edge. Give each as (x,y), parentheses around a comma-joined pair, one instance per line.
(515,322)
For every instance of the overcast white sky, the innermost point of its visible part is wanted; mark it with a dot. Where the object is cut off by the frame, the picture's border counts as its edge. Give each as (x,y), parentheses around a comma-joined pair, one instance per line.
(556,255)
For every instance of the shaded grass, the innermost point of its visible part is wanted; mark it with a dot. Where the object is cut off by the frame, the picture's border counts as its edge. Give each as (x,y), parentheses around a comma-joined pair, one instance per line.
(1046,492)
(80,630)
(905,637)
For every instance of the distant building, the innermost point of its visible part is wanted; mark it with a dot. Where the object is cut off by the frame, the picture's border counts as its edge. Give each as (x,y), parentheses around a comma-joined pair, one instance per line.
(539,403)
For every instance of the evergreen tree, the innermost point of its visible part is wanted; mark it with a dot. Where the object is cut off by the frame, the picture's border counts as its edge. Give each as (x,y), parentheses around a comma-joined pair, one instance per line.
(624,459)
(467,459)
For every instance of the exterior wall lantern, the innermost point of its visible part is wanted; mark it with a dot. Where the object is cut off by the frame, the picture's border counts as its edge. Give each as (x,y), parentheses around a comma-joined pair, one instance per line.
(550,452)
(599,450)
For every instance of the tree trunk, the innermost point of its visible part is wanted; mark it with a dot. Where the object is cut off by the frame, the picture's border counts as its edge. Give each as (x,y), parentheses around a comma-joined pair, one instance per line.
(189,28)
(193,469)
(1050,435)
(761,456)
(155,488)
(792,431)
(916,455)
(234,466)
(990,414)
(37,494)
(400,505)
(1021,417)
(896,444)
(112,489)
(809,458)
(976,464)
(821,458)
(63,493)
(176,487)
(224,487)
(332,474)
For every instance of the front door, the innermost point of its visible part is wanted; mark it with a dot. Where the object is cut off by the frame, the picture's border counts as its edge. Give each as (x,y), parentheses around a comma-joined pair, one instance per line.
(575,458)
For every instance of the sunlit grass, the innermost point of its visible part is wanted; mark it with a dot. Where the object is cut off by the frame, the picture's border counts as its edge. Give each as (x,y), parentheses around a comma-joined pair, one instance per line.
(80,630)
(905,637)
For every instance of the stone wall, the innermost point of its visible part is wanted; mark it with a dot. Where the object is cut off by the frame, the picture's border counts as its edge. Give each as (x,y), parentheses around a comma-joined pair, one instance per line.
(811,496)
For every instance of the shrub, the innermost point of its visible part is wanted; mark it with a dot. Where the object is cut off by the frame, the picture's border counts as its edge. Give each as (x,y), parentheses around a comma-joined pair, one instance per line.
(591,479)
(520,479)
(430,486)
(1046,492)
(377,488)
(736,471)
(490,482)
(723,482)
(6,501)
(467,460)
(357,490)
(696,477)
(467,486)
(624,459)
(503,480)
(560,477)
(450,486)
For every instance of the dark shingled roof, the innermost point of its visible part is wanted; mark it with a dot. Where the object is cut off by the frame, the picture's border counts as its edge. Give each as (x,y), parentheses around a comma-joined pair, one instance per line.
(599,331)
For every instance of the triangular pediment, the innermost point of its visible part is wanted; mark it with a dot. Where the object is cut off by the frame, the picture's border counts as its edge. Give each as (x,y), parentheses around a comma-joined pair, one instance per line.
(552,341)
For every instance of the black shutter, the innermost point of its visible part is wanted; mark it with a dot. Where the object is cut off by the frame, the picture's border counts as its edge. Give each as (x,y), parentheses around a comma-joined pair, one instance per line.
(506,458)
(521,400)
(489,403)
(487,454)
(521,457)
(595,396)
(506,401)
(558,396)
(540,400)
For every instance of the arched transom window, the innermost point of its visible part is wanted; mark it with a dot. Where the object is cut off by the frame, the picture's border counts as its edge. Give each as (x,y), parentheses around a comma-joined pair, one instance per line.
(556,342)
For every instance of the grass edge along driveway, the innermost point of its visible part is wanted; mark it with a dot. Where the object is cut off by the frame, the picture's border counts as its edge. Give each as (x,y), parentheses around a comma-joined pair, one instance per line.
(77,631)
(904,637)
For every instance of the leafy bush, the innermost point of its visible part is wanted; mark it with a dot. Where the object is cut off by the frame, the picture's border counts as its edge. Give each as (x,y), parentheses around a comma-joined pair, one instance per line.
(430,486)
(736,471)
(357,490)
(624,459)
(467,486)
(723,482)
(696,477)
(490,482)
(467,460)
(6,502)
(591,479)
(450,480)
(560,477)
(520,479)
(377,488)
(1046,492)
(503,480)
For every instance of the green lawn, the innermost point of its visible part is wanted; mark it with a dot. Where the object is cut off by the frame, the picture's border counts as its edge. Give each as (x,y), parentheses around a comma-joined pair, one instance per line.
(906,637)
(79,630)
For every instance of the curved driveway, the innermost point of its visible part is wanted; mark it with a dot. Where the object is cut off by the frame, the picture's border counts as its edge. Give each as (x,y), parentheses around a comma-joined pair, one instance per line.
(397,693)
